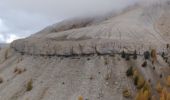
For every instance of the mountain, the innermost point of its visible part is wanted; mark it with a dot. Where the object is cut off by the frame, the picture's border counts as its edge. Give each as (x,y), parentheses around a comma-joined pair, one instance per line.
(124,57)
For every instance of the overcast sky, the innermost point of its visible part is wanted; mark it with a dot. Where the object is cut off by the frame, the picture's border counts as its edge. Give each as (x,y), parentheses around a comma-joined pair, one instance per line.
(20,18)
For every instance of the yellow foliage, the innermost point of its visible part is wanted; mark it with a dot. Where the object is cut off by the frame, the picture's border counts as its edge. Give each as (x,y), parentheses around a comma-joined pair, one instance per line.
(154,55)
(159,87)
(126,93)
(139,96)
(141,82)
(146,95)
(164,94)
(168,96)
(143,95)
(162,98)
(146,87)
(135,73)
(80,98)
(168,81)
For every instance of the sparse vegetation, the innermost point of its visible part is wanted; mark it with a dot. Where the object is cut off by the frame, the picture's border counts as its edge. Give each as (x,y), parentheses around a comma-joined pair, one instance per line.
(168,81)
(19,70)
(167,46)
(123,54)
(106,61)
(164,94)
(135,55)
(136,80)
(159,87)
(166,60)
(146,55)
(91,78)
(80,98)
(160,75)
(135,73)
(154,55)
(140,82)
(149,80)
(129,72)
(29,85)
(163,55)
(108,76)
(127,57)
(144,93)
(6,54)
(63,83)
(144,64)
(1,80)
(126,93)
(88,59)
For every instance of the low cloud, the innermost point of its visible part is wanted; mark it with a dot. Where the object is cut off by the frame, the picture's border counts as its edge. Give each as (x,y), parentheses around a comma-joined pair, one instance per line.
(20,18)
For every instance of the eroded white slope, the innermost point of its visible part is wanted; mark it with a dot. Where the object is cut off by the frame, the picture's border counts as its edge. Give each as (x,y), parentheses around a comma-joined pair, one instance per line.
(66,63)
(132,30)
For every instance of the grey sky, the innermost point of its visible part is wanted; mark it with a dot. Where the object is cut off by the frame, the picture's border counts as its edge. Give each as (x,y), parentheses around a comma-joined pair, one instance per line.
(20,18)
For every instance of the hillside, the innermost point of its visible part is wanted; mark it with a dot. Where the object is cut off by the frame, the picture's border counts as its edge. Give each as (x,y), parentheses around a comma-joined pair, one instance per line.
(88,59)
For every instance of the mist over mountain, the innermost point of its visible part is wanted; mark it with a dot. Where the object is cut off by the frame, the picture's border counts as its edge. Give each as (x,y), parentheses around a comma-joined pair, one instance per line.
(32,16)
(122,55)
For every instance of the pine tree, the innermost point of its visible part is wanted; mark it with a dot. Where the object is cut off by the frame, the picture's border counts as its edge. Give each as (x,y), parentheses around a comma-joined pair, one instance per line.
(123,54)
(135,55)
(146,55)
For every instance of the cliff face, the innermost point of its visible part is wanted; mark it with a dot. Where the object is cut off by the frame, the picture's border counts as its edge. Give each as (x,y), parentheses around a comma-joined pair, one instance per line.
(82,58)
